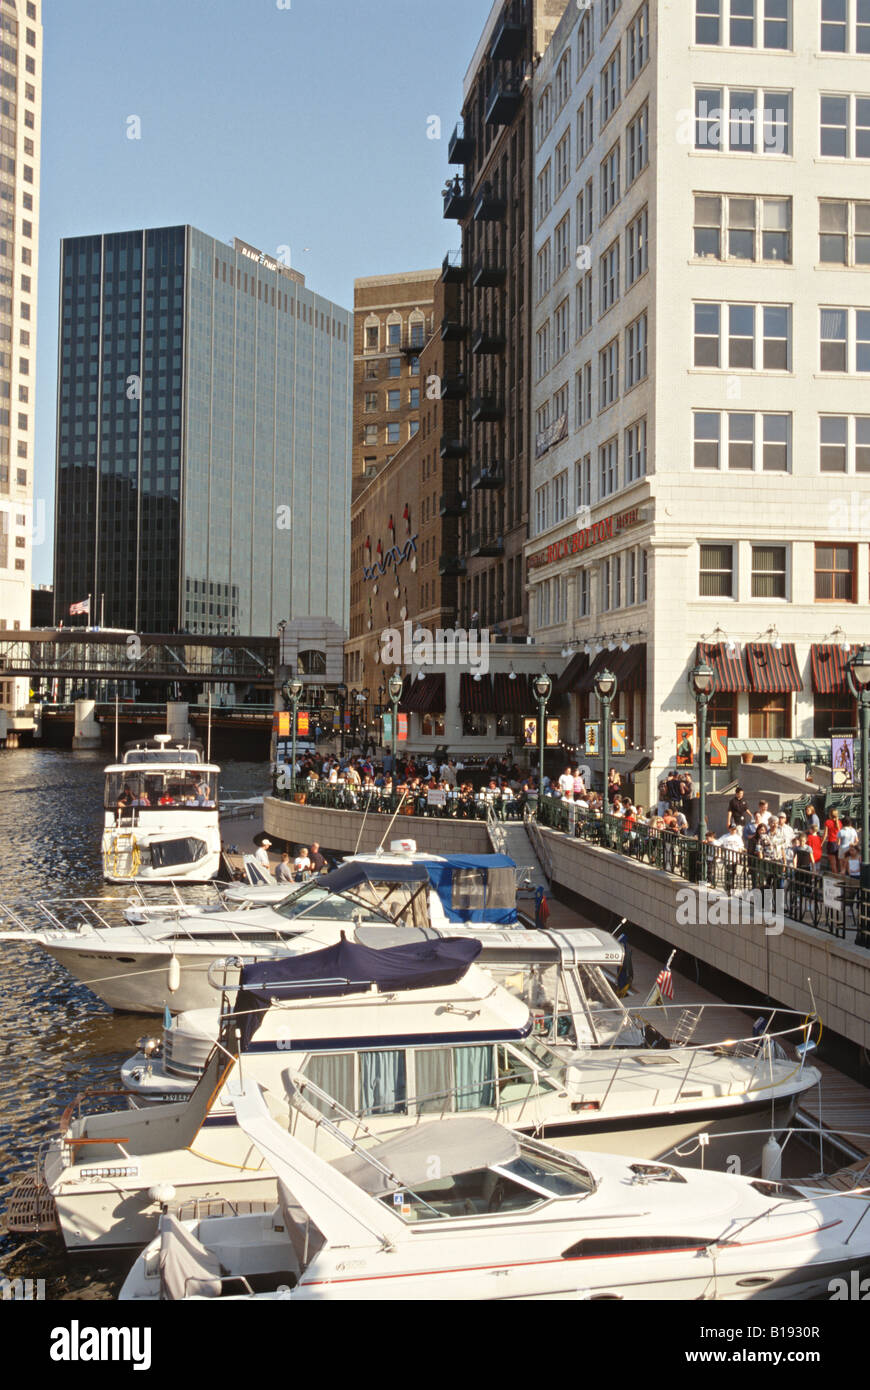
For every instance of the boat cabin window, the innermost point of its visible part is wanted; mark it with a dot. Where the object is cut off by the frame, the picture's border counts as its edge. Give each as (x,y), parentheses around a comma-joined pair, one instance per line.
(454,1079)
(392,1081)
(478,1193)
(165,854)
(173,789)
(538,1053)
(520,1076)
(161,755)
(475,889)
(334,907)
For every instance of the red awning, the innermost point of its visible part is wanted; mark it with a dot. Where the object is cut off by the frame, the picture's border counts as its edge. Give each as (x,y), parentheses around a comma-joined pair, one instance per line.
(513,696)
(425,696)
(587,680)
(476,697)
(828,668)
(773,671)
(731,677)
(566,684)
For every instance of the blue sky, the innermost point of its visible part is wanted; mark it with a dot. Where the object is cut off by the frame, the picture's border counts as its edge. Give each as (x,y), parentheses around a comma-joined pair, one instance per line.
(303,126)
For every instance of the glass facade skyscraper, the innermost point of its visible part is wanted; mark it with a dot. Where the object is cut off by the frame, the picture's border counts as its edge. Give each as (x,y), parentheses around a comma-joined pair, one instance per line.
(203,437)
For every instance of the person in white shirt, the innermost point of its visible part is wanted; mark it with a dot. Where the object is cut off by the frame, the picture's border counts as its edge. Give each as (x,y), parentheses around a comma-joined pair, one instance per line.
(732,839)
(847,836)
(566,783)
(262,856)
(302,864)
(763,814)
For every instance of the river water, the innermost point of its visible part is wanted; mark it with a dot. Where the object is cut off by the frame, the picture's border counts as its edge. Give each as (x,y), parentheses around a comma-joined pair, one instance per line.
(56,1038)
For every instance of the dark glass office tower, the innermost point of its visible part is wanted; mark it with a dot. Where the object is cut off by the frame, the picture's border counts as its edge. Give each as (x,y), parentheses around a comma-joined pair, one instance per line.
(203,443)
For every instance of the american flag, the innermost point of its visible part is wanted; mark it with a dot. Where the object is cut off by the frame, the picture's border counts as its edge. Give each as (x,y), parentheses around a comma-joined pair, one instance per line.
(665,983)
(84,606)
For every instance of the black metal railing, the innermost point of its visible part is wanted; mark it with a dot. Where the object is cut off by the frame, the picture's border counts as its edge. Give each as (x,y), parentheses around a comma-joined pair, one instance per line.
(457,805)
(781,889)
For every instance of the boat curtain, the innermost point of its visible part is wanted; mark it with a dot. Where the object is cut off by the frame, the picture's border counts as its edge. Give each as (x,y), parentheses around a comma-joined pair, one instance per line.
(383,1088)
(473,1067)
(433,1081)
(334,1075)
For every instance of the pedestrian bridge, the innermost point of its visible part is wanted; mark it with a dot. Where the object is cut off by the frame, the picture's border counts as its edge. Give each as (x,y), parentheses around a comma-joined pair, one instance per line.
(116,655)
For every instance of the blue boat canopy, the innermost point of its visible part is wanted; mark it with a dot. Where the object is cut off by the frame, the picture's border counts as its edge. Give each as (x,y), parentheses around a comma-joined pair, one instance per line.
(470,887)
(349,968)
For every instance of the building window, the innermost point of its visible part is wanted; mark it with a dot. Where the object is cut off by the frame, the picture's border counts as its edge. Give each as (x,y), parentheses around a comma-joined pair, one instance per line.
(585,214)
(610,182)
(563,162)
(835,574)
(637,247)
(742,121)
(845,340)
(583,594)
(414,398)
(844,444)
(561,330)
(371,339)
(560,403)
(413,427)
(716,571)
(544,116)
(393,400)
(392,434)
(585,128)
(371,402)
(845,26)
(583,481)
(543,264)
(608,468)
(542,357)
(560,497)
(832,712)
(584,41)
(635,451)
(609,277)
(635,352)
(638,44)
(610,88)
(394,366)
(631,579)
(542,495)
(583,386)
(744,431)
(608,374)
(562,244)
(584,304)
(544,192)
(371,434)
(637,152)
(769,716)
(755,228)
(844,233)
(844,127)
(743,23)
(757,335)
(768,571)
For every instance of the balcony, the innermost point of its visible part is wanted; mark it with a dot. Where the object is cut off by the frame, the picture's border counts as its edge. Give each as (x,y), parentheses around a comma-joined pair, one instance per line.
(488,275)
(457,198)
(452,504)
(460,148)
(485,547)
(488,340)
(454,388)
(453,269)
(452,331)
(488,477)
(451,448)
(489,205)
(451,564)
(485,409)
(414,338)
(509,36)
(504,100)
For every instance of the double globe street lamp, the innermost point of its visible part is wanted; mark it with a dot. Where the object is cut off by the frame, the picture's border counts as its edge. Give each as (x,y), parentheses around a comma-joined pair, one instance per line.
(291,692)
(543,687)
(604,686)
(394,690)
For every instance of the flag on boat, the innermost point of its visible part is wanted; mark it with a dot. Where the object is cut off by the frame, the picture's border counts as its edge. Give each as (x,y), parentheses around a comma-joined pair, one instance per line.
(84,606)
(625,978)
(665,984)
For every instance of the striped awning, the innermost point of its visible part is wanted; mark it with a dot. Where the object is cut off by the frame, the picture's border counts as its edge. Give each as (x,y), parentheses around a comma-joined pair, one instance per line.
(425,696)
(828,668)
(731,677)
(586,682)
(773,671)
(629,668)
(566,684)
(476,697)
(513,696)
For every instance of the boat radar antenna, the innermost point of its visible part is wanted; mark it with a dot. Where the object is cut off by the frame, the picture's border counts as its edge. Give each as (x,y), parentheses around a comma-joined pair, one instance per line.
(163,739)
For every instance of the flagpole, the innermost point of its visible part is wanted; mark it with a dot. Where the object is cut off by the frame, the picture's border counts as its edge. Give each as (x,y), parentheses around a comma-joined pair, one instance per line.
(88,614)
(102,610)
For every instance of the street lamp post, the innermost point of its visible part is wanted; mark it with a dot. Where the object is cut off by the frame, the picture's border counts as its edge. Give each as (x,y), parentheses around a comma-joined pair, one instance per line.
(543,689)
(702,682)
(341,697)
(858,676)
(363,699)
(292,690)
(605,690)
(394,690)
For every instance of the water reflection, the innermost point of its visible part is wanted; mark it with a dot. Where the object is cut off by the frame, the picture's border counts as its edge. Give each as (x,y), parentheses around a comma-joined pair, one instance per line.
(56,1039)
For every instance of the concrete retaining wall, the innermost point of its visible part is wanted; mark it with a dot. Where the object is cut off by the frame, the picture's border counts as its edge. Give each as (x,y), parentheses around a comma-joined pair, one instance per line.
(339,830)
(775,964)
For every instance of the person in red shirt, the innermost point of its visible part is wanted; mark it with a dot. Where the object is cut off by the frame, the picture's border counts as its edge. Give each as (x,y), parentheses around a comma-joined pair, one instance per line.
(814,843)
(832,830)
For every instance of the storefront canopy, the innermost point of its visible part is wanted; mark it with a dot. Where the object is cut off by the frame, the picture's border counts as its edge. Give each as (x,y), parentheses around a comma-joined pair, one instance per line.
(513,696)
(425,696)
(828,668)
(566,684)
(731,675)
(476,696)
(773,670)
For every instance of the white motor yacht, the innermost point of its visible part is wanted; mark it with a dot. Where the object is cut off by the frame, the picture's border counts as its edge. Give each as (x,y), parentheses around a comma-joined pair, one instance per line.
(467,1209)
(161,814)
(396,1036)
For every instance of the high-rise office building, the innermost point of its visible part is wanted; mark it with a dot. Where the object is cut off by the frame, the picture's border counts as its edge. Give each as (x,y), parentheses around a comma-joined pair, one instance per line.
(20,114)
(492,201)
(701,359)
(203,436)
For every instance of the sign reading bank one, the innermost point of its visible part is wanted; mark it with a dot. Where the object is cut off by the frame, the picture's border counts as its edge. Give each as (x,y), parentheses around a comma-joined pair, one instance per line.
(584,539)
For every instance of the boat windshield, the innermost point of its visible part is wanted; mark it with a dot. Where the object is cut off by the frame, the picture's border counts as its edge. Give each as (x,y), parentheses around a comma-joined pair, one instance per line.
(543,1056)
(174,788)
(525,1182)
(334,907)
(162,755)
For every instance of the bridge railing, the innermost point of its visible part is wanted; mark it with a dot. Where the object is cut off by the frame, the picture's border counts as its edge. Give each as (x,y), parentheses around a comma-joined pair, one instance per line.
(780,889)
(338,796)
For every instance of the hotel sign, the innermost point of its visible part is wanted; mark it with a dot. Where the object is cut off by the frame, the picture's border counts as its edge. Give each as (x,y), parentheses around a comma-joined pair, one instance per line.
(584,539)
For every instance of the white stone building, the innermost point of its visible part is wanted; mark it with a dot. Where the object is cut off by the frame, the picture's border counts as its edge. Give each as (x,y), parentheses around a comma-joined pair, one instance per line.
(22,516)
(701,359)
